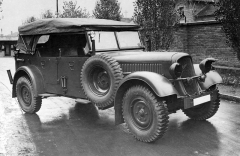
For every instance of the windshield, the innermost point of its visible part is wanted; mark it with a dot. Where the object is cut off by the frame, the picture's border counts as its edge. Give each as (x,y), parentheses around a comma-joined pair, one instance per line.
(129,39)
(106,40)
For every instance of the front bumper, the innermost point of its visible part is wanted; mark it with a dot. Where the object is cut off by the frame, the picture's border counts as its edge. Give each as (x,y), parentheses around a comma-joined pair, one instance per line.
(195,100)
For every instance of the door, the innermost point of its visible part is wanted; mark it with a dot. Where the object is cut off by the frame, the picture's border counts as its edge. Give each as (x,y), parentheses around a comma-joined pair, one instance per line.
(48,63)
(72,49)
(62,58)
(49,69)
(69,70)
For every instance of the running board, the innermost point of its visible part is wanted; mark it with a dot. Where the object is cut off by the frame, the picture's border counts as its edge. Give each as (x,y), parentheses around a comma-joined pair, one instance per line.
(82,101)
(47,95)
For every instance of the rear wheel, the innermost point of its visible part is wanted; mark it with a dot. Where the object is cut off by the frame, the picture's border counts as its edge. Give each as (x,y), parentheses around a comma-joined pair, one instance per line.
(204,111)
(29,102)
(145,116)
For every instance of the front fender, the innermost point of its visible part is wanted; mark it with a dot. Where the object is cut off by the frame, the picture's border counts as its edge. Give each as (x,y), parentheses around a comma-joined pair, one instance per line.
(160,85)
(212,77)
(35,76)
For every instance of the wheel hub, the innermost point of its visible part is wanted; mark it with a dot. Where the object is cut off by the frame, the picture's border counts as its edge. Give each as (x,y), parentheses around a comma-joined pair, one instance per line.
(26,95)
(141,115)
(103,80)
(100,81)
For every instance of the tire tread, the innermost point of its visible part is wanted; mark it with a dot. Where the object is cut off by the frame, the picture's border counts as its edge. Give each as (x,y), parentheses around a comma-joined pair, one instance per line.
(211,112)
(37,100)
(118,76)
(162,116)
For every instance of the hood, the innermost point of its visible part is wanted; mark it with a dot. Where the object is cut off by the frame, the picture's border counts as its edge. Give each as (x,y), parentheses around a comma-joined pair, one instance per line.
(145,57)
(158,62)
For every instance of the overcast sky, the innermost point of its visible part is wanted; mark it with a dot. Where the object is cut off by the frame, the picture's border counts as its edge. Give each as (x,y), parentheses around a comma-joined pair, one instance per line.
(16,11)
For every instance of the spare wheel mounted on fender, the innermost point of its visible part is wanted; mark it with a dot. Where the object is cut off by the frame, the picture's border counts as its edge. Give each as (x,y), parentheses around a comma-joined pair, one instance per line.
(100,78)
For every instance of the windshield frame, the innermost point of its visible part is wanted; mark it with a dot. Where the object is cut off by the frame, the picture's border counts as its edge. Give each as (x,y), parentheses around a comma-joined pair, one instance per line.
(117,41)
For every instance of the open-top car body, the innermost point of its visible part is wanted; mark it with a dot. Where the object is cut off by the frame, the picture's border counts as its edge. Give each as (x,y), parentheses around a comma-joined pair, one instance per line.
(105,62)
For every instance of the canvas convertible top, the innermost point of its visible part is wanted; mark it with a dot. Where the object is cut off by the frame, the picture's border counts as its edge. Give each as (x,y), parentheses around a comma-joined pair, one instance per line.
(68,25)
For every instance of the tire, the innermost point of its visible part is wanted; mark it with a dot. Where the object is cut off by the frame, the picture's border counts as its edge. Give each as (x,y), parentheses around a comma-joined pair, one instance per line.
(100,78)
(204,111)
(145,116)
(29,102)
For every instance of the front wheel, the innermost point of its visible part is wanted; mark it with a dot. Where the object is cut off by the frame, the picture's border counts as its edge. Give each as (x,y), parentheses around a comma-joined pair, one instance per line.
(145,116)
(204,111)
(29,102)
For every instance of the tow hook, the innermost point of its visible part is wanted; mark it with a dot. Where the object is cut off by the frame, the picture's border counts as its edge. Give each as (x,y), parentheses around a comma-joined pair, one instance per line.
(10,76)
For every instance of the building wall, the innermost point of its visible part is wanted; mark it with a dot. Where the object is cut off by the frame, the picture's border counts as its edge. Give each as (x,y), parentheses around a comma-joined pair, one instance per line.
(2,53)
(192,8)
(7,45)
(203,40)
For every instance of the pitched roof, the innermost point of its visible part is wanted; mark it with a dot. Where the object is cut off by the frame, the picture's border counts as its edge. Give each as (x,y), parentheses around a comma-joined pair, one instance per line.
(60,25)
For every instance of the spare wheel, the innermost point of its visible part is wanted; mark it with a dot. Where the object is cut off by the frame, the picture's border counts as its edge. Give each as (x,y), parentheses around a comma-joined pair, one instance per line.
(100,78)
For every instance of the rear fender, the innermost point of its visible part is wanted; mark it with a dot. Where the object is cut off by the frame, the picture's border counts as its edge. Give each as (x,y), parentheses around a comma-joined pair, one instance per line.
(34,75)
(160,85)
(212,77)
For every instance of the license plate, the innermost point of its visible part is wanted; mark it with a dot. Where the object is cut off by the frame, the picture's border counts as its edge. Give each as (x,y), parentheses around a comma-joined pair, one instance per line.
(201,100)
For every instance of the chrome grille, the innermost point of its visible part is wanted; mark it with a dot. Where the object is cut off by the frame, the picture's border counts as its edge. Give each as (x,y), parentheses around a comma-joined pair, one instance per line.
(188,71)
(152,67)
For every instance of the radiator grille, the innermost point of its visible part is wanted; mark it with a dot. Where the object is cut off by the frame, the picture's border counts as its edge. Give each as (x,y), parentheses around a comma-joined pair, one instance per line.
(188,71)
(152,67)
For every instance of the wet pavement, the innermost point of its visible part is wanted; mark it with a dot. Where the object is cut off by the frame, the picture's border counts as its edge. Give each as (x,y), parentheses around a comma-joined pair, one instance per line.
(66,128)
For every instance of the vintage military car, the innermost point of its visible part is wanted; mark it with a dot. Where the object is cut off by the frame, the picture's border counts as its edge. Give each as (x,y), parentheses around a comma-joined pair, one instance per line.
(104,62)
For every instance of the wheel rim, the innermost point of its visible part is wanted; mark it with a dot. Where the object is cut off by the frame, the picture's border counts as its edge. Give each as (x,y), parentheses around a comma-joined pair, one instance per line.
(99,81)
(26,95)
(141,114)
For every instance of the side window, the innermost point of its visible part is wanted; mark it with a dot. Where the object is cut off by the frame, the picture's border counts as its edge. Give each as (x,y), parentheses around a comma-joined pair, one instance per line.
(69,45)
(44,47)
(24,44)
(73,45)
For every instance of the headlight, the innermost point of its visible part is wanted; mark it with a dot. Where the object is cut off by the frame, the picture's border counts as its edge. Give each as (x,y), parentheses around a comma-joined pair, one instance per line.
(176,70)
(206,65)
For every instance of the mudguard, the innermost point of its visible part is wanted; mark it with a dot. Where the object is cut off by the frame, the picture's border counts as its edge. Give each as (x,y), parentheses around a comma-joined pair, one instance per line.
(212,77)
(159,84)
(35,76)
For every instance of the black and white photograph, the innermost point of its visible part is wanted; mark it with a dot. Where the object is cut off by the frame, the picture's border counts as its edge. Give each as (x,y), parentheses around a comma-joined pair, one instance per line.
(119,78)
